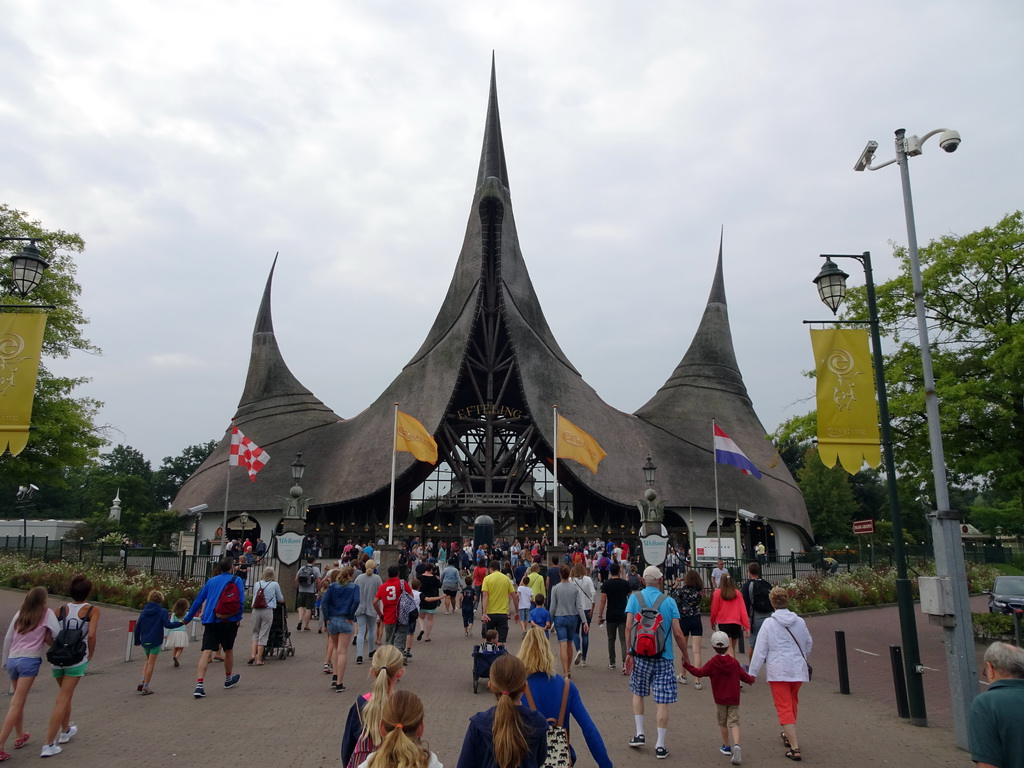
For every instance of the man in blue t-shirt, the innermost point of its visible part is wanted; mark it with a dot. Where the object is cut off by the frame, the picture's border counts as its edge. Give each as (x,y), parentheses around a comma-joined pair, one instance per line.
(648,675)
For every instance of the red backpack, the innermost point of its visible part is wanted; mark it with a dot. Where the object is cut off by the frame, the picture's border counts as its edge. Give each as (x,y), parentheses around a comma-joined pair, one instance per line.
(648,636)
(230,601)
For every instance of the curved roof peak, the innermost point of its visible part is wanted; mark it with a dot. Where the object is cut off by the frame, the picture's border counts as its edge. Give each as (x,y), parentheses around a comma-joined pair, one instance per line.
(492,154)
(268,376)
(709,363)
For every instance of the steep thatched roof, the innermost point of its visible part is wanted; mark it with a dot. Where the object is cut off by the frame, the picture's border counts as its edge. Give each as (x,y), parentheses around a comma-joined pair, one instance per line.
(351,459)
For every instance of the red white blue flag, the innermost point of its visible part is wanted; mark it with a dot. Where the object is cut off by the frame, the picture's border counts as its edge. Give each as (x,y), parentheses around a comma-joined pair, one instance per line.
(245,453)
(727,452)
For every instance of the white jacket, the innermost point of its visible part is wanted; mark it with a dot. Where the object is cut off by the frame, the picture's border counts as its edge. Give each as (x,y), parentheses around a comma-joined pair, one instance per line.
(777,651)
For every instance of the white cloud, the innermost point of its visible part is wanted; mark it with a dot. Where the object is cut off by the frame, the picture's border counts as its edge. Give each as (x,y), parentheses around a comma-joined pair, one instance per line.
(189,142)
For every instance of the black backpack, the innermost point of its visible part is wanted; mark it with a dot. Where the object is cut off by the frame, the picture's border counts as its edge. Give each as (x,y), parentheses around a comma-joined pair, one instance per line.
(307,576)
(71,643)
(759,600)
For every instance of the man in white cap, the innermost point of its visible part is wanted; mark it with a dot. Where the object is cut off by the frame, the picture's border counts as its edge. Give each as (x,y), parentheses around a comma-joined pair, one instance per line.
(650,662)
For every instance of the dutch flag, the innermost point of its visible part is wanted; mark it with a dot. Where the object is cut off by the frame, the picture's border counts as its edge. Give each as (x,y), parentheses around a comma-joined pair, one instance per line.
(727,452)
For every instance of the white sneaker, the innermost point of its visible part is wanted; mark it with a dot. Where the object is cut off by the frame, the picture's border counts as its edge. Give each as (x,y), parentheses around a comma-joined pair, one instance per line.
(578,658)
(697,685)
(737,755)
(65,736)
(49,750)
(681,679)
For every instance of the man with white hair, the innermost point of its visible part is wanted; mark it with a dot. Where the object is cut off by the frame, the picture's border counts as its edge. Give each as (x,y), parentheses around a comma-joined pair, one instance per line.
(652,672)
(996,738)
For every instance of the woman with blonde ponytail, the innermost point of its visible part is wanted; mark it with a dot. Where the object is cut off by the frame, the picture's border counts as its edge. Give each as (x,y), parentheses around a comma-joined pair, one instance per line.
(506,735)
(362,728)
(401,728)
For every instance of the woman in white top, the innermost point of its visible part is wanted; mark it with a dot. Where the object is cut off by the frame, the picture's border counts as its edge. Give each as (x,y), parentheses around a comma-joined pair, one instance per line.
(525,603)
(32,629)
(585,585)
(61,729)
(783,645)
(263,617)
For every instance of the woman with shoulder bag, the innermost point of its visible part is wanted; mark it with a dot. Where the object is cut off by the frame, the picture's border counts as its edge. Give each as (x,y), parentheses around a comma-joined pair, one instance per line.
(783,645)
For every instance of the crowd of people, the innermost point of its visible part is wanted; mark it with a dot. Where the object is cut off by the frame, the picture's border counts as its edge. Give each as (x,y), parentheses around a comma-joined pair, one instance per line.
(648,618)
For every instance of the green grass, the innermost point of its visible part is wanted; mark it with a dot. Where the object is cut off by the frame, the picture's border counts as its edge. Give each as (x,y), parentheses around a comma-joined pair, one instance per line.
(1005,569)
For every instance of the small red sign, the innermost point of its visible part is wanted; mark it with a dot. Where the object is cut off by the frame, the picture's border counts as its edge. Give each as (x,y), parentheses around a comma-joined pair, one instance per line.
(863,527)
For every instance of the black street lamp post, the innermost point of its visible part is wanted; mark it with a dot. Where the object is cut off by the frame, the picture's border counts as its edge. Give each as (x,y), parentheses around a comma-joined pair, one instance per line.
(831,282)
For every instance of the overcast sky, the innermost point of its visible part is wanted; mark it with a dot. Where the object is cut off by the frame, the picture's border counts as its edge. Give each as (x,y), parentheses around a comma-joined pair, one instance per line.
(188,142)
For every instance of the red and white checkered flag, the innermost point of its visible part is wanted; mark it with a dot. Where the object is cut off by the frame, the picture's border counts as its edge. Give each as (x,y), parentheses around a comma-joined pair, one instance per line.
(244,452)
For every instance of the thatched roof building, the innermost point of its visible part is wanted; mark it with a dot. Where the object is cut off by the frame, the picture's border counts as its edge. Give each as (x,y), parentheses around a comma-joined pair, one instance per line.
(483,383)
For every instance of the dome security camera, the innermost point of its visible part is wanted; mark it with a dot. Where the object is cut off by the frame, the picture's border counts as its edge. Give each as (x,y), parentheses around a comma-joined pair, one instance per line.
(949,141)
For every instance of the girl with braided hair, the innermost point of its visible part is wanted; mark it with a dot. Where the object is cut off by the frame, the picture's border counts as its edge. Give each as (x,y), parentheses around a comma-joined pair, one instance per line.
(362,728)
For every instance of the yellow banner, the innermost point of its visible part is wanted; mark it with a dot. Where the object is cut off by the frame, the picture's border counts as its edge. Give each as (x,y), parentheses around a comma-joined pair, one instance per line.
(575,444)
(847,411)
(413,437)
(21,343)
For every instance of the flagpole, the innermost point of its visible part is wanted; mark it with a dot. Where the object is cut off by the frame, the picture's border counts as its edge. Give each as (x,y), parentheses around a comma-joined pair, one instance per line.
(394,458)
(224,525)
(554,410)
(718,518)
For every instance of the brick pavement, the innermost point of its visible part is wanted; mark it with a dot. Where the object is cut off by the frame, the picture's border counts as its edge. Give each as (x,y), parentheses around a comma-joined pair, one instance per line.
(285,714)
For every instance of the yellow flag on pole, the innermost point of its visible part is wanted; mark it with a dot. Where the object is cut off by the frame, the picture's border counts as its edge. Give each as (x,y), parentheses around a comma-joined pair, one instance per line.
(413,437)
(21,344)
(847,410)
(575,444)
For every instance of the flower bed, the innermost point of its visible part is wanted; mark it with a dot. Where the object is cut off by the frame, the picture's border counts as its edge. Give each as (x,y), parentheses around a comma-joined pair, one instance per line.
(817,593)
(110,583)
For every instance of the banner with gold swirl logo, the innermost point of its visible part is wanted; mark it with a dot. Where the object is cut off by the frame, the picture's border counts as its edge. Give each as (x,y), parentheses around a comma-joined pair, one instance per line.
(21,343)
(575,444)
(847,410)
(412,436)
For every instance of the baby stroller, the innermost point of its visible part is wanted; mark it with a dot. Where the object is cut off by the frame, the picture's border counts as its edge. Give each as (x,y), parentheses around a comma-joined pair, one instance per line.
(280,639)
(483,656)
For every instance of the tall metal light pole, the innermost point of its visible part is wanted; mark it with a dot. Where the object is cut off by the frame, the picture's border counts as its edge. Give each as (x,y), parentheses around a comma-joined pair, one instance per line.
(831,282)
(949,555)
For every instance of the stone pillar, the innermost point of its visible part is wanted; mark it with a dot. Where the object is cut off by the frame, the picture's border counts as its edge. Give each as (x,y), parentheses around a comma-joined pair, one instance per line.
(386,555)
(286,573)
(552,552)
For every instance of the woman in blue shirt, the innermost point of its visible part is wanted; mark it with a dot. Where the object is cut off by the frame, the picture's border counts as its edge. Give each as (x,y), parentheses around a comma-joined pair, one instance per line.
(547,688)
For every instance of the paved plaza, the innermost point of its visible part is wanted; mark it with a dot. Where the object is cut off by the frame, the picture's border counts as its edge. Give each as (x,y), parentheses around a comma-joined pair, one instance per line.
(285,713)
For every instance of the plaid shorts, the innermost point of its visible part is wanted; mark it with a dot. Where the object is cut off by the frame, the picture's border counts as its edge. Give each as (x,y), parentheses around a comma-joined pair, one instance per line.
(658,674)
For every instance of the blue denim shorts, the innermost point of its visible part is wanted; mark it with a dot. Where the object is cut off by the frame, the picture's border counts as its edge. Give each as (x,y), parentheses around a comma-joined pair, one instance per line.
(23,666)
(339,626)
(524,614)
(565,627)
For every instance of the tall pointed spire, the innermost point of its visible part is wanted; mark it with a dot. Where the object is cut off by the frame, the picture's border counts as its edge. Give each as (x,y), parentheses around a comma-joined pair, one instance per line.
(492,155)
(269,376)
(710,362)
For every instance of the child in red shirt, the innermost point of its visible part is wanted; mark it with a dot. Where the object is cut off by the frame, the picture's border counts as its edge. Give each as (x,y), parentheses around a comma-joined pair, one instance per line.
(725,673)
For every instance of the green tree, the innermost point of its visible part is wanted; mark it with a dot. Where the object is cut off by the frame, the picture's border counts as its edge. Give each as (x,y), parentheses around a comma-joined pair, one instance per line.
(974,301)
(175,470)
(65,434)
(829,498)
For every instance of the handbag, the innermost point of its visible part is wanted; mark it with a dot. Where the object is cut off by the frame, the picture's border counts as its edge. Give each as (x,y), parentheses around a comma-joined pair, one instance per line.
(810,669)
(557,735)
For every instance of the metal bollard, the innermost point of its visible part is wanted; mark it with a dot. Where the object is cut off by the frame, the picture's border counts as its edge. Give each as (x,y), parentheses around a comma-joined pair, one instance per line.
(131,640)
(844,666)
(195,626)
(899,681)
(1017,616)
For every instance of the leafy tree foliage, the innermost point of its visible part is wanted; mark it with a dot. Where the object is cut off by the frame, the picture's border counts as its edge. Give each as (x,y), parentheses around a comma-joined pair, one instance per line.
(175,470)
(65,434)
(974,300)
(829,498)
